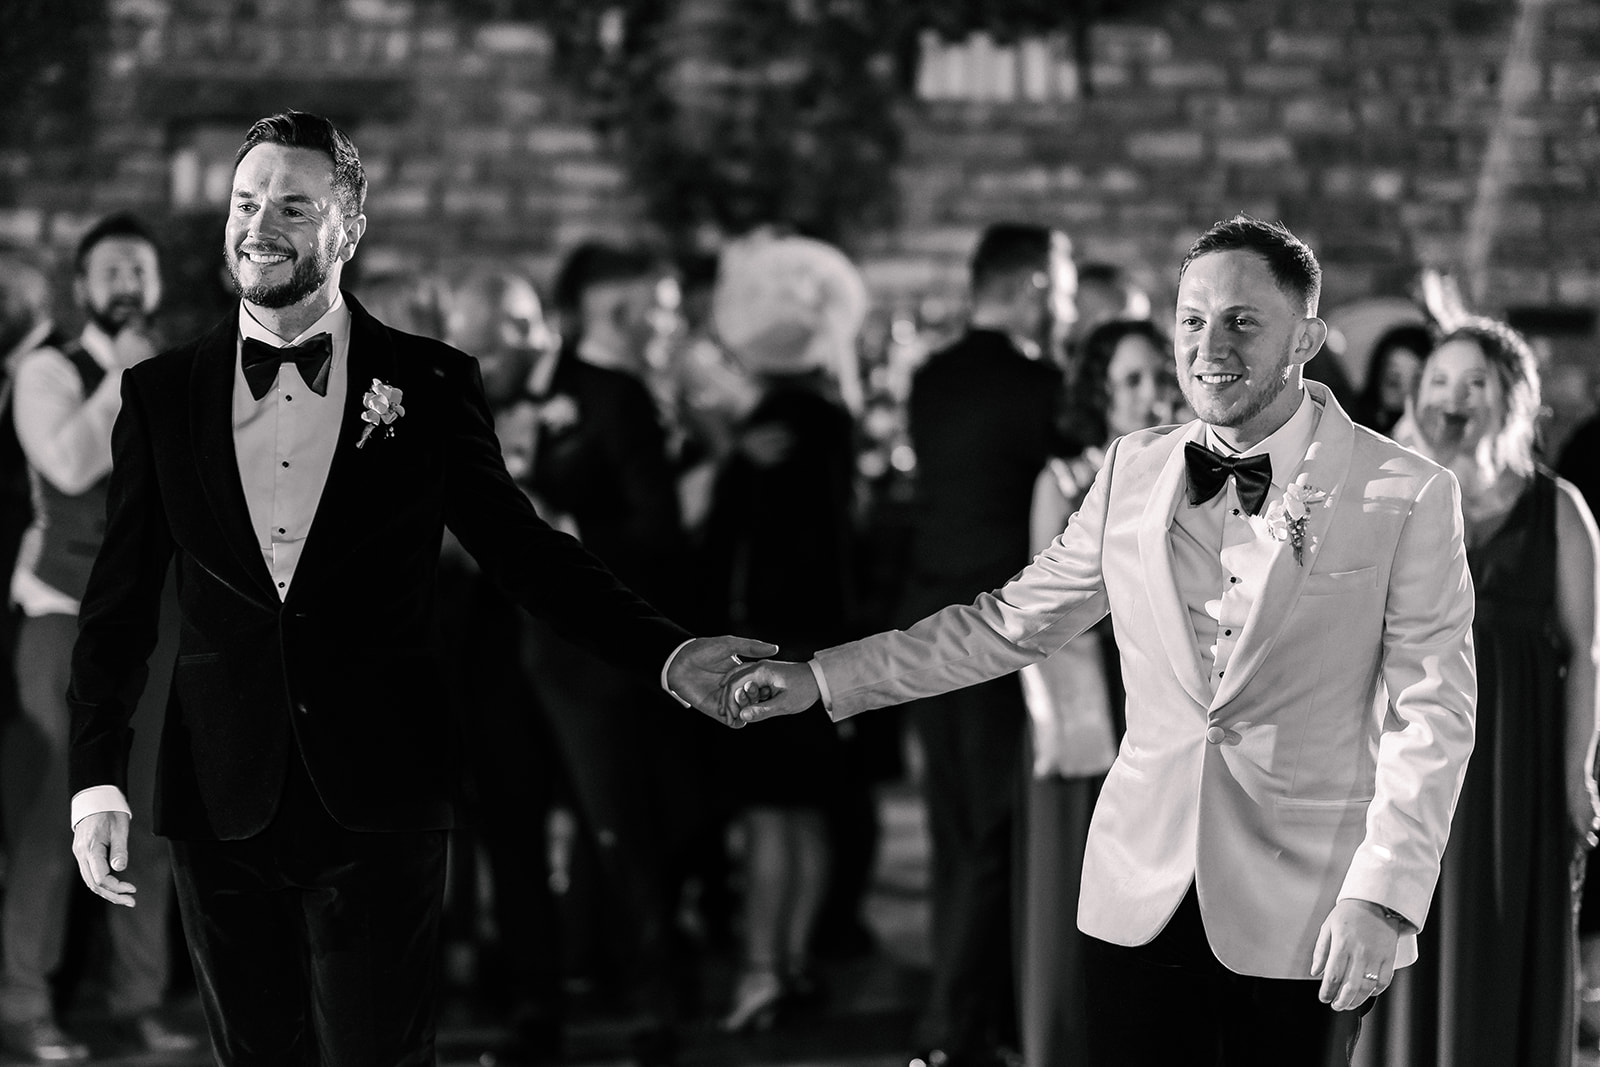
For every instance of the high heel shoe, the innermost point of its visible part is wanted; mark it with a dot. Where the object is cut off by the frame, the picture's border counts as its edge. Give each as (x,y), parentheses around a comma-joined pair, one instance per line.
(755,1002)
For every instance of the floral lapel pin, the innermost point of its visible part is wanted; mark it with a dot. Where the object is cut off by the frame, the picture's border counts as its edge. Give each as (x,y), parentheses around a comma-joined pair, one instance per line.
(1286,517)
(558,414)
(380,408)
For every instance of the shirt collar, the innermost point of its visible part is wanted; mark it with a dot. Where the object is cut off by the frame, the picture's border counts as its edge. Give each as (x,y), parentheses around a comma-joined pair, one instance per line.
(1287,445)
(335,322)
(99,344)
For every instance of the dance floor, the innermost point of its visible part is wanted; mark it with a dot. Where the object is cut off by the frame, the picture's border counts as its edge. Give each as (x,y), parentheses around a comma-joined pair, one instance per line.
(865,1021)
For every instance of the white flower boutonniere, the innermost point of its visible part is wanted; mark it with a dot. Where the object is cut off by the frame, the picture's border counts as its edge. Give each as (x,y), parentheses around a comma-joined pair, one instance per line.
(380,409)
(558,414)
(1286,517)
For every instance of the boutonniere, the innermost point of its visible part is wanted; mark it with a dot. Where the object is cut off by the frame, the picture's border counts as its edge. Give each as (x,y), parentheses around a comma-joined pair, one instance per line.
(380,409)
(1286,517)
(558,414)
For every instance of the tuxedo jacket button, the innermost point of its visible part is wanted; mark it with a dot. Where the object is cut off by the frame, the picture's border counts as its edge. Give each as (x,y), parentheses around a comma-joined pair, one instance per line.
(1215,735)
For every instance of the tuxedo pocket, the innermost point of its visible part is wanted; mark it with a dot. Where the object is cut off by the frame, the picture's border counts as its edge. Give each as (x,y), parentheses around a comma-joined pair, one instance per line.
(1332,583)
(1308,809)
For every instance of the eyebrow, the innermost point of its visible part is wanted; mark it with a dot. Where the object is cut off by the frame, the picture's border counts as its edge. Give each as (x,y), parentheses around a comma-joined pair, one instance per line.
(287,198)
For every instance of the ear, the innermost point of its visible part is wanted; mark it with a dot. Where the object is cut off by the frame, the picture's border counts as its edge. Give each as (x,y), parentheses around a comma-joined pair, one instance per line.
(354,227)
(1309,338)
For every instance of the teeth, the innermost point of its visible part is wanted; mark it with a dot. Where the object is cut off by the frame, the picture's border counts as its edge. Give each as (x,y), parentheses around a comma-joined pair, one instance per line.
(266,257)
(1217,379)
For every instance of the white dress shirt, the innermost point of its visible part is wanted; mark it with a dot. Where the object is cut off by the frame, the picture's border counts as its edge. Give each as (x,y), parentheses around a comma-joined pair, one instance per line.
(1221,555)
(66,438)
(285,441)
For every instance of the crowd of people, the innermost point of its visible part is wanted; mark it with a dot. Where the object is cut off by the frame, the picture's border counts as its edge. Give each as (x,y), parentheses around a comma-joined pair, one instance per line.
(698,428)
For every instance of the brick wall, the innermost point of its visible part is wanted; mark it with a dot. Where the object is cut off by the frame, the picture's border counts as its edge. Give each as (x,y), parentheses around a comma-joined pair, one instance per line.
(1392,134)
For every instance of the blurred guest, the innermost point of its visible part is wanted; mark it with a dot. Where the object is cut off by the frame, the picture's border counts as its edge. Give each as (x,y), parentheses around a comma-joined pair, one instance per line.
(498,319)
(1126,382)
(1391,379)
(1495,982)
(584,439)
(785,306)
(66,399)
(984,419)
(1580,465)
(1105,293)
(25,325)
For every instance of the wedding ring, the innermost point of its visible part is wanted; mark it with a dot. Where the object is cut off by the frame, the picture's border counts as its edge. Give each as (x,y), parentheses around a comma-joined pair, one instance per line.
(1370,977)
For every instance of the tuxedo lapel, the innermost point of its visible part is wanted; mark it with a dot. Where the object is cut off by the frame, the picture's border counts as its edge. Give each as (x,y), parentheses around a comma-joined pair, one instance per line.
(1325,468)
(1168,614)
(211,411)
(339,507)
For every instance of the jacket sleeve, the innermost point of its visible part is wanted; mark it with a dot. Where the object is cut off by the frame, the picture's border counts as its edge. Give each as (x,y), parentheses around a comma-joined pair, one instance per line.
(1430,673)
(121,606)
(1055,598)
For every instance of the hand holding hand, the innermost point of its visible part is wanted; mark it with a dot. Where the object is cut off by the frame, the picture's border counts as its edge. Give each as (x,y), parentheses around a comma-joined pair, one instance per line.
(772,687)
(701,670)
(1355,953)
(100,843)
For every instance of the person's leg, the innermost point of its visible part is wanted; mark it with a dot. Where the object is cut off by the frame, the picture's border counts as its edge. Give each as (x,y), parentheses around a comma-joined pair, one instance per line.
(1276,1021)
(760,983)
(808,878)
(1156,1005)
(248,945)
(41,871)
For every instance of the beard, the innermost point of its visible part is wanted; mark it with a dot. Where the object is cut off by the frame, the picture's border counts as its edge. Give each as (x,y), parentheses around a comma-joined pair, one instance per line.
(113,315)
(308,276)
(1269,387)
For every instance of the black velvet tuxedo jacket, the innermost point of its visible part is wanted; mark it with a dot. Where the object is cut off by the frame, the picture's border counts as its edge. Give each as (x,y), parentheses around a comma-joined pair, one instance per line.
(343,669)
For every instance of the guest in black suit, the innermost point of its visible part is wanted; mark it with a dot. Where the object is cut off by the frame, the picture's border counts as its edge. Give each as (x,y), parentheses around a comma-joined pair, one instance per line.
(590,446)
(984,421)
(309,763)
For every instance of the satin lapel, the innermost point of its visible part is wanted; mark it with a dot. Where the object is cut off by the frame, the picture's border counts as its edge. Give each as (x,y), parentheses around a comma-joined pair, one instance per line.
(339,507)
(1325,467)
(1168,614)
(211,409)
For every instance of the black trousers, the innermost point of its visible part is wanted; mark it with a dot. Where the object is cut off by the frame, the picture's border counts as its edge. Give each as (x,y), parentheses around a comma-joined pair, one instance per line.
(971,743)
(313,944)
(1171,1003)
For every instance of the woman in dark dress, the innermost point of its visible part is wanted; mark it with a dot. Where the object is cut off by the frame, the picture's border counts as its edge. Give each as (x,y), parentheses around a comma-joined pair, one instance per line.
(1496,981)
(787,574)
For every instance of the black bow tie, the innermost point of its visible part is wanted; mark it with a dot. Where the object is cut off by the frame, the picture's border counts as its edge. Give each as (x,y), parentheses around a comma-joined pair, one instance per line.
(1208,473)
(261,361)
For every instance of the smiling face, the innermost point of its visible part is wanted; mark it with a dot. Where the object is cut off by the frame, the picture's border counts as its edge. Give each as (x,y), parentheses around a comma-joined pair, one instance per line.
(287,239)
(1240,343)
(1139,386)
(1460,401)
(120,283)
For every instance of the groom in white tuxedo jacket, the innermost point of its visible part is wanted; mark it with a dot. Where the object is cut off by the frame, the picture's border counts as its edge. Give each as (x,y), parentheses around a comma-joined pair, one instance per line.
(1292,605)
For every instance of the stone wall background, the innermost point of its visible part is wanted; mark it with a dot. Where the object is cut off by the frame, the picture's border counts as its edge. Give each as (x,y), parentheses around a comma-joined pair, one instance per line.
(1394,135)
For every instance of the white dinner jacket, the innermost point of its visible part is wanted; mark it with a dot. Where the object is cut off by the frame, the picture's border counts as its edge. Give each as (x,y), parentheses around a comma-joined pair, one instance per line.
(1327,763)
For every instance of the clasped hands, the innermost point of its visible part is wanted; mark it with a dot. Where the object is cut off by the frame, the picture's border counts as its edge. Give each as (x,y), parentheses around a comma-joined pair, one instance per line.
(731,680)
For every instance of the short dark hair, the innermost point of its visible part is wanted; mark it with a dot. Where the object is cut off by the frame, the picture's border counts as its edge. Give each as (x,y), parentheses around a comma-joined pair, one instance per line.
(595,263)
(1008,250)
(1289,260)
(121,224)
(1091,393)
(299,129)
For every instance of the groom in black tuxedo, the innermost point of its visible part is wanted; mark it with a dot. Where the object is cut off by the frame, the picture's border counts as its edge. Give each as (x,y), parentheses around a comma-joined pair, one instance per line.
(308,763)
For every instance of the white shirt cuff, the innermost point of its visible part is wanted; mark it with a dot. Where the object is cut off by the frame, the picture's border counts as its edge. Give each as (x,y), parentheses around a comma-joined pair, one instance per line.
(98,798)
(667,666)
(822,685)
